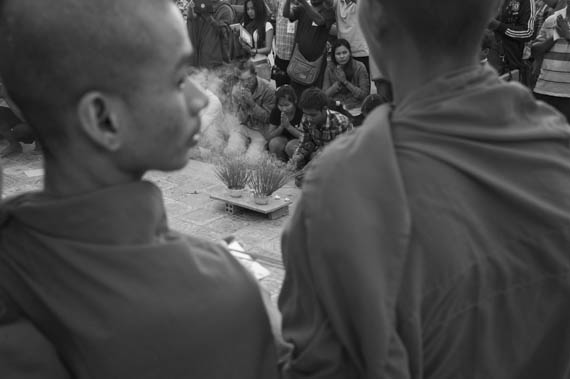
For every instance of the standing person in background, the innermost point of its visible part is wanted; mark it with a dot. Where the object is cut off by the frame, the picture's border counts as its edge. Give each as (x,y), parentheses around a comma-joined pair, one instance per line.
(313,26)
(346,79)
(256,22)
(553,44)
(284,42)
(434,241)
(544,9)
(209,30)
(513,27)
(348,28)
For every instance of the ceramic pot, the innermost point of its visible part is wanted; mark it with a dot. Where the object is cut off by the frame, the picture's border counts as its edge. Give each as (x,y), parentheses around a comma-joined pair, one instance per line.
(236,192)
(261,200)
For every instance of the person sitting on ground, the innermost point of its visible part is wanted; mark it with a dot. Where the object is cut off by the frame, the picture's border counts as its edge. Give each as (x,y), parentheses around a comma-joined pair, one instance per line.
(93,282)
(346,79)
(434,242)
(256,22)
(319,125)
(285,123)
(253,99)
(12,127)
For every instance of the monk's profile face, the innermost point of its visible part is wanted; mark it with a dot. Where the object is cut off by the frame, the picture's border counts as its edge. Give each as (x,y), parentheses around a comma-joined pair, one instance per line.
(163,114)
(107,78)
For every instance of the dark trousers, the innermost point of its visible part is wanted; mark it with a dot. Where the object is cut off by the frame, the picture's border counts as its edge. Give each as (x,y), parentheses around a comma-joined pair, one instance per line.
(283,78)
(562,104)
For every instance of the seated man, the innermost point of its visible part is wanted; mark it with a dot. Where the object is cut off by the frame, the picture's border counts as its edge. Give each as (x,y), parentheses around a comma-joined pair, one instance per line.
(253,99)
(320,126)
(93,283)
(12,128)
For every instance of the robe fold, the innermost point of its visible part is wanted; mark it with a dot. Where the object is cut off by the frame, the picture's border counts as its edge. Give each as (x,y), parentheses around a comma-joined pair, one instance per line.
(120,295)
(435,241)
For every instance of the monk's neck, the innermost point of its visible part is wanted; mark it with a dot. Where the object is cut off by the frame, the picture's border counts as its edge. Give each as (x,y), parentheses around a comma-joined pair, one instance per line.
(70,177)
(407,78)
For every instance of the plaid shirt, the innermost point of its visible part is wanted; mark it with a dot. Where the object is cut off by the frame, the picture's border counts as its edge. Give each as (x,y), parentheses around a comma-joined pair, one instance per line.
(314,139)
(283,41)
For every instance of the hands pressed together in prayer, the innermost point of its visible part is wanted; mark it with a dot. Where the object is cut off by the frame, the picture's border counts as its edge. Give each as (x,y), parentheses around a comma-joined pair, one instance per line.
(246,97)
(340,75)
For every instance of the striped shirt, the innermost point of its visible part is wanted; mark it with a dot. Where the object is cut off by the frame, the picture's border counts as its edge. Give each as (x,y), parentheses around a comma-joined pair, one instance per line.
(517,19)
(554,78)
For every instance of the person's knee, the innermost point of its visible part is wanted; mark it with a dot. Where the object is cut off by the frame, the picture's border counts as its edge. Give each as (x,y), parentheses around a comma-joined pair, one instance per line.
(277,145)
(291,147)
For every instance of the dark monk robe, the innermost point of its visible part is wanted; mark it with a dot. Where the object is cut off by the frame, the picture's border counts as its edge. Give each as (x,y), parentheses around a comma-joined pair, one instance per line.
(119,295)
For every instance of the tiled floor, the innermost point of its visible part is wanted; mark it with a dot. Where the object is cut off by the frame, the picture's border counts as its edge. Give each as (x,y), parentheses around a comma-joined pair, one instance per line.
(189,207)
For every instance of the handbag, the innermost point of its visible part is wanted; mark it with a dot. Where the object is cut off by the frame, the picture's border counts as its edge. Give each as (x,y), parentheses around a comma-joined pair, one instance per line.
(302,71)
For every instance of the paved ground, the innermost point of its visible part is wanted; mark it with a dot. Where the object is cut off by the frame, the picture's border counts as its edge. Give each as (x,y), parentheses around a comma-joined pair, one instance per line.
(189,208)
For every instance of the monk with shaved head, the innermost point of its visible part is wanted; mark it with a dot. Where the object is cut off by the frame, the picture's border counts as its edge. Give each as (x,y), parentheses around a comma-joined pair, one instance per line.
(93,283)
(434,241)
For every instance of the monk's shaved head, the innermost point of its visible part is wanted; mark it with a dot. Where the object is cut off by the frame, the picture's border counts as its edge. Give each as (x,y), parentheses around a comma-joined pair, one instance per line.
(443,24)
(55,51)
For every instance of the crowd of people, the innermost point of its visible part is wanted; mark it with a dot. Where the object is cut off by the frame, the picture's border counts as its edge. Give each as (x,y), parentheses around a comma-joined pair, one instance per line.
(531,38)
(326,36)
(430,242)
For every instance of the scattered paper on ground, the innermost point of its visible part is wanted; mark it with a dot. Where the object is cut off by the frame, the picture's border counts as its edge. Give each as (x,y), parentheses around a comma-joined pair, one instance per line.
(258,271)
(34,173)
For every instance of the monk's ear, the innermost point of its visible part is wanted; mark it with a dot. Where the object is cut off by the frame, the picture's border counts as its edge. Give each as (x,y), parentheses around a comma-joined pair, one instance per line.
(98,116)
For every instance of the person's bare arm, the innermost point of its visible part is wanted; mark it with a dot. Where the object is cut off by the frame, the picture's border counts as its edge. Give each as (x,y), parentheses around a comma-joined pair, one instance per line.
(545,40)
(287,11)
(268,43)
